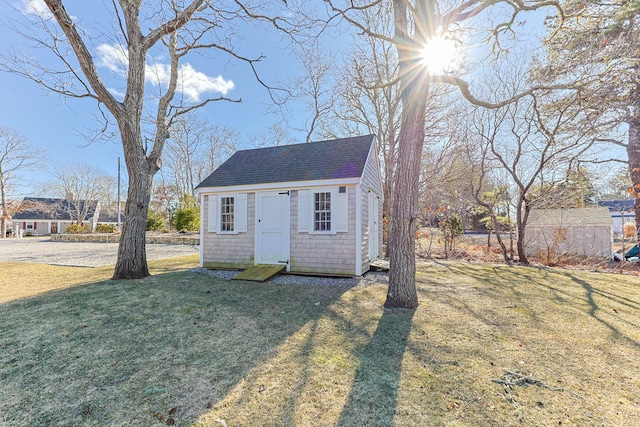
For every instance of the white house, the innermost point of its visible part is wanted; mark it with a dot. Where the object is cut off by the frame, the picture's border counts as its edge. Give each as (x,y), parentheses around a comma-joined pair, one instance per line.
(314,207)
(39,216)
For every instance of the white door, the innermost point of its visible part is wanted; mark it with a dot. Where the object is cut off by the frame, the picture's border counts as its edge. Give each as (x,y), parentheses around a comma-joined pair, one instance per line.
(272,228)
(374,249)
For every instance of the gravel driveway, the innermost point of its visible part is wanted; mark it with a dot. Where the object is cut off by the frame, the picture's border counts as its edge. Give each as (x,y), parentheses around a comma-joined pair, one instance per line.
(44,251)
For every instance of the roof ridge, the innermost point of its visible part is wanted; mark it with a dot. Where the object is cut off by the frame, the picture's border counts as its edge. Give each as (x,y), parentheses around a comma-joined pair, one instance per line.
(308,161)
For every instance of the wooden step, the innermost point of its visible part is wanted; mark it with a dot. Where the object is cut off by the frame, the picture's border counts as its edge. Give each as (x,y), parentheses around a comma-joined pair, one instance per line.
(379,265)
(260,272)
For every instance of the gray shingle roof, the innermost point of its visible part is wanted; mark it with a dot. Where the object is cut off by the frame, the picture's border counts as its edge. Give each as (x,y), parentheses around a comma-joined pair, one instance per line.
(312,161)
(42,208)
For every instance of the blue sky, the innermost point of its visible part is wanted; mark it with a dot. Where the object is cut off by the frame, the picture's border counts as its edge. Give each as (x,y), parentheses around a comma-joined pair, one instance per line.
(56,123)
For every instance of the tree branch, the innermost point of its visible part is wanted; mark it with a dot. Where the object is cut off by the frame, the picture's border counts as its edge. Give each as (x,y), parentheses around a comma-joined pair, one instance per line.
(84,57)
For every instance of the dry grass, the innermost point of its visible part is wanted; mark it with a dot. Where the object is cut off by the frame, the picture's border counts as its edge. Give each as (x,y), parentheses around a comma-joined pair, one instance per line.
(182,348)
(22,280)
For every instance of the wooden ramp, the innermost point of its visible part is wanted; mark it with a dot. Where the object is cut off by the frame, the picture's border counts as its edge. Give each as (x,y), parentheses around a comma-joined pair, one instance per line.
(259,272)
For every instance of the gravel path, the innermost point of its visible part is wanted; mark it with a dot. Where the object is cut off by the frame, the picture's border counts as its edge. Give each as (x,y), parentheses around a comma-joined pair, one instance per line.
(44,251)
(76,254)
(291,279)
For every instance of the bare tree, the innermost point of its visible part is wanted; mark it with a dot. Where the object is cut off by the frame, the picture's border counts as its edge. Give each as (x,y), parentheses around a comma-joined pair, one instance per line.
(366,103)
(16,156)
(165,198)
(173,28)
(618,186)
(188,151)
(194,150)
(369,99)
(276,134)
(537,150)
(416,23)
(317,88)
(83,186)
(478,154)
(446,173)
(221,142)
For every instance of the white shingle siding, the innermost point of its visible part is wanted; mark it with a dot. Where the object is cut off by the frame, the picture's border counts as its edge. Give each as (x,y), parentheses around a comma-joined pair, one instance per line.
(222,250)
(371,182)
(371,179)
(323,253)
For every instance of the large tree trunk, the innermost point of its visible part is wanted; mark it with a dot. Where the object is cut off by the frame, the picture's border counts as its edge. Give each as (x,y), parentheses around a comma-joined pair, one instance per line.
(414,92)
(404,211)
(633,155)
(402,233)
(387,188)
(132,254)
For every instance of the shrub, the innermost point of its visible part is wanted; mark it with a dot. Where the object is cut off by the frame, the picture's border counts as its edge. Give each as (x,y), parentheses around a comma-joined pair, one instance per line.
(629,230)
(155,221)
(77,229)
(187,219)
(106,228)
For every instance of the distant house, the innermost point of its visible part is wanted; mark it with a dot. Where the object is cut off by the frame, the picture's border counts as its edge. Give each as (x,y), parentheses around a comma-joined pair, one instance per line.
(42,216)
(314,207)
(109,218)
(622,212)
(584,232)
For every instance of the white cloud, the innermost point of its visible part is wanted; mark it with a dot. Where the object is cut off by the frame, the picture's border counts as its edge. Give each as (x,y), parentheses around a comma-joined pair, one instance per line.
(157,73)
(113,57)
(193,84)
(36,8)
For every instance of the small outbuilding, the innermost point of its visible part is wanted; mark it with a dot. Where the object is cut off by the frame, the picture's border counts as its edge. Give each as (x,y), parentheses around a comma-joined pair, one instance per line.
(583,232)
(315,208)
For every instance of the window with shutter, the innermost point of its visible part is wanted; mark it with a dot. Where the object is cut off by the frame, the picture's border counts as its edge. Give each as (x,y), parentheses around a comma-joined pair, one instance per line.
(227,213)
(323,210)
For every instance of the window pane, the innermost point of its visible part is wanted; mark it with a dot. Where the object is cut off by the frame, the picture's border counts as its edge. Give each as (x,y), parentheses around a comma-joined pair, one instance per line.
(226,213)
(322,212)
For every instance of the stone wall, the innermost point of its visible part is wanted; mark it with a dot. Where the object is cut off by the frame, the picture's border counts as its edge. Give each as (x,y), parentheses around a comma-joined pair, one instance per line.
(168,239)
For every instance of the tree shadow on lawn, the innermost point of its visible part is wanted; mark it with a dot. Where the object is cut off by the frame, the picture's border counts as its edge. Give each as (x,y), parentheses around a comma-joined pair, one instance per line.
(552,324)
(597,297)
(160,350)
(373,396)
(341,369)
(591,294)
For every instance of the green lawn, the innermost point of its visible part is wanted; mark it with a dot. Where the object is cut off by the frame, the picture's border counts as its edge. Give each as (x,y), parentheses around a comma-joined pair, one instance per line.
(489,345)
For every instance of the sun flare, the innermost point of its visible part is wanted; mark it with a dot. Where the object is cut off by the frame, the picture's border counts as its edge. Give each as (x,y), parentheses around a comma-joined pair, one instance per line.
(439,55)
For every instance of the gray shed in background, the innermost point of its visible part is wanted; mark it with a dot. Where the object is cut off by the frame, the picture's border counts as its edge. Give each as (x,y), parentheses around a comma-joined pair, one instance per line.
(584,232)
